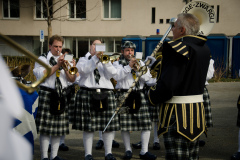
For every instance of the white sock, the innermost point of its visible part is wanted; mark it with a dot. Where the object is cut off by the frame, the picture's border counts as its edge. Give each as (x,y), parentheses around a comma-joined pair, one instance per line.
(126,140)
(55,140)
(87,142)
(114,132)
(239,140)
(44,142)
(145,135)
(156,139)
(62,140)
(107,139)
(100,135)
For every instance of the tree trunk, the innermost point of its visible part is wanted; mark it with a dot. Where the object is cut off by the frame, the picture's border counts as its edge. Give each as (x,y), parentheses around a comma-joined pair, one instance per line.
(49,31)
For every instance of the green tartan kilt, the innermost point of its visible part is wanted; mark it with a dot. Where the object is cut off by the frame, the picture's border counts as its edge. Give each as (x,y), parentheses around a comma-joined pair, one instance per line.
(48,124)
(139,121)
(87,119)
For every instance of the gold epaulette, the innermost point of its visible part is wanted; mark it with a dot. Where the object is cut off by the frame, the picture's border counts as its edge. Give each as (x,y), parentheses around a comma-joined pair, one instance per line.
(179,47)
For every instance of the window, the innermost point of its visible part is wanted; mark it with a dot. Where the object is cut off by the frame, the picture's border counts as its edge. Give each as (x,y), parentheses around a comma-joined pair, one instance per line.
(111,9)
(77,9)
(11,9)
(41,9)
(160,21)
(153,15)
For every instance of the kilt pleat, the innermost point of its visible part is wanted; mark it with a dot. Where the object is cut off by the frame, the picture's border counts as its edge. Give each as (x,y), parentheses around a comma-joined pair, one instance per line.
(48,124)
(207,108)
(177,146)
(154,113)
(138,121)
(71,109)
(87,119)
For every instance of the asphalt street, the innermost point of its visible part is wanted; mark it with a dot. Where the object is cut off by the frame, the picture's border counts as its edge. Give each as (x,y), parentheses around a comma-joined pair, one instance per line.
(221,142)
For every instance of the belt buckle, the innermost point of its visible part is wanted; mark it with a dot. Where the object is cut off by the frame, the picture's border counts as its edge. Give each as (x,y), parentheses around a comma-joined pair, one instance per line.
(98,90)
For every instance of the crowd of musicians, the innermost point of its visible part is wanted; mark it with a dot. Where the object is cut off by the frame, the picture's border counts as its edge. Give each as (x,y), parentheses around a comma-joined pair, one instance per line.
(173,85)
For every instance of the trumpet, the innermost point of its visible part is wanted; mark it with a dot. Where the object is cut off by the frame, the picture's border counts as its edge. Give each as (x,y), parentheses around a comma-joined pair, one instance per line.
(137,66)
(106,58)
(67,67)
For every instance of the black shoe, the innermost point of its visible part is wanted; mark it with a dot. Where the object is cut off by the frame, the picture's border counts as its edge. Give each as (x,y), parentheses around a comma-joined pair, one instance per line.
(63,147)
(88,157)
(110,157)
(99,144)
(45,159)
(148,156)
(137,145)
(235,156)
(115,144)
(49,148)
(58,158)
(156,146)
(201,143)
(128,155)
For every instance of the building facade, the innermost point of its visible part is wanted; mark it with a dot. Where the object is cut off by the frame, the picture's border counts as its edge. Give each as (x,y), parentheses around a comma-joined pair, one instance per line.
(82,21)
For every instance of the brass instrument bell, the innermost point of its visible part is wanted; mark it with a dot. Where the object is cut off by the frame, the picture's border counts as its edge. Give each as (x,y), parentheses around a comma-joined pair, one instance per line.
(72,70)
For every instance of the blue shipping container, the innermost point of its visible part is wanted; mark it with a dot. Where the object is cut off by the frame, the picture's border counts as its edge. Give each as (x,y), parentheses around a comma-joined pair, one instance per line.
(151,43)
(218,44)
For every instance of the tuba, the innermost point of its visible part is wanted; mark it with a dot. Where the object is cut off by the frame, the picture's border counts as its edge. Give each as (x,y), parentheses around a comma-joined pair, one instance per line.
(205,14)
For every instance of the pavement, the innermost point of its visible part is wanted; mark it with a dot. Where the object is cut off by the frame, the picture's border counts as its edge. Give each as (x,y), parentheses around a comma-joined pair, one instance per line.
(221,140)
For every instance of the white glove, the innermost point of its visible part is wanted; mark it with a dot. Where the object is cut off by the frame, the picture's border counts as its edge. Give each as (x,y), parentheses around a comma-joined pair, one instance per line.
(152,60)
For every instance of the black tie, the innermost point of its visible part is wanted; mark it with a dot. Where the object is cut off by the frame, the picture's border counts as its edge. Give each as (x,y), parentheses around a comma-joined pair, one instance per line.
(58,83)
(96,73)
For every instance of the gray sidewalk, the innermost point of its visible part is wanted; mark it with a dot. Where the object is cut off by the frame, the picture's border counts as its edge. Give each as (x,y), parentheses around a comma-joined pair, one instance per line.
(221,143)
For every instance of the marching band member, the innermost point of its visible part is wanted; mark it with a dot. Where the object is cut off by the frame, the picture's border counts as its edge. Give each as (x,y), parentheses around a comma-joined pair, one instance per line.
(95,101)
(52,117)
(183,71)
(138,118)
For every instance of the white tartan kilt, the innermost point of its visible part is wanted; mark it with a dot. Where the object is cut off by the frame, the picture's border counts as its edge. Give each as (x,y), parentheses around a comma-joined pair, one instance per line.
(48,124)
(136,122)
(86,119)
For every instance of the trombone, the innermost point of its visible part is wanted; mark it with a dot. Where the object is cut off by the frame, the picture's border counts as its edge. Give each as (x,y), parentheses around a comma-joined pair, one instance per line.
(30,88)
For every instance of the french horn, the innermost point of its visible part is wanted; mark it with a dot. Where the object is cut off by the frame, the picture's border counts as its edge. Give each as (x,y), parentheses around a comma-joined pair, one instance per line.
(31,87)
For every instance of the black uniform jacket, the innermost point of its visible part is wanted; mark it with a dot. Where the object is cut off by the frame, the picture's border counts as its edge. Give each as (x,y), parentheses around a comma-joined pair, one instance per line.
(182,72)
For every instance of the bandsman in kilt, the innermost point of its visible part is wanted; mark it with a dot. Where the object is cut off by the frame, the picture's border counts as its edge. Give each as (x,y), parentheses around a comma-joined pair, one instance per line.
(154,110)
(206,100)
(179,89)
(95,101)
(138,118)
(52,119)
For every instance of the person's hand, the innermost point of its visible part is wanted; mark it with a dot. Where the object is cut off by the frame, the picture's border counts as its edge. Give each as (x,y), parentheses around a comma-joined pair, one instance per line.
(60,60)
(99,54)
(74,62)
(132,62)
(151,62)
